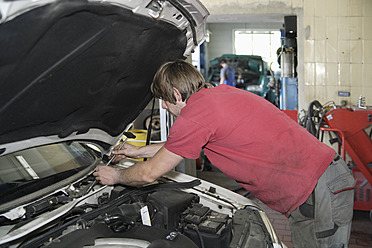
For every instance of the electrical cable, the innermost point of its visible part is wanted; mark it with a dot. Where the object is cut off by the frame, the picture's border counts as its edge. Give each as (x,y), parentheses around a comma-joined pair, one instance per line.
(320,123)
(196,229)
(309,119)
(149,128)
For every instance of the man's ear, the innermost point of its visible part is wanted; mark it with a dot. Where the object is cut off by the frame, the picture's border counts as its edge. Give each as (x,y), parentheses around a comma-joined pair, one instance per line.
(177,94)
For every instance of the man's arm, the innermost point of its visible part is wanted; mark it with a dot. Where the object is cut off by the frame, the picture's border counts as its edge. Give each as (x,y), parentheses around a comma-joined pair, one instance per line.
(131,151)
(222,76)
(140,173)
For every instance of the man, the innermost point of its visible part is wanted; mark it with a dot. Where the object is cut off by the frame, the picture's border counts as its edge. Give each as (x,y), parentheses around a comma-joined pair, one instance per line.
(253,142)
(226,74)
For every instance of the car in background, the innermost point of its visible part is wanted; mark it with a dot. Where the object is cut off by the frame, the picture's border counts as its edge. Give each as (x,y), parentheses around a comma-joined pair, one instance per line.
(75,75)
(252,73)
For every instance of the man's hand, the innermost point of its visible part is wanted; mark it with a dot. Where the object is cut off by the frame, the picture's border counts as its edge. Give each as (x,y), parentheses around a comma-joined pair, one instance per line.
(130,151)
(140,173)
(107,175)
(127,151)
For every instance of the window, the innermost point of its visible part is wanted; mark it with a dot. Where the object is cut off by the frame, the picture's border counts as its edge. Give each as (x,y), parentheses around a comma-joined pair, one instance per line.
(27,171)
(262,43)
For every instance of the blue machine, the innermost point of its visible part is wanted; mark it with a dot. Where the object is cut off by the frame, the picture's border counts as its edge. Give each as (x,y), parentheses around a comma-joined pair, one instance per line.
(288,94)
(288,64)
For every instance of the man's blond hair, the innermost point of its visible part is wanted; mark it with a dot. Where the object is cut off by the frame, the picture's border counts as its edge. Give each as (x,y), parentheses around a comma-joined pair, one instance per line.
(178,74)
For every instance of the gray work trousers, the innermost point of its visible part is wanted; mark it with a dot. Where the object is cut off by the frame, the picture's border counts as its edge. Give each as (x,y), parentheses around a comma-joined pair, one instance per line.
(324,220)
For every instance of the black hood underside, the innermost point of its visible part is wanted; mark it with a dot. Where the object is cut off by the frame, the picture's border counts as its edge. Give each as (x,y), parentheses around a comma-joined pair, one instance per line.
(70,66)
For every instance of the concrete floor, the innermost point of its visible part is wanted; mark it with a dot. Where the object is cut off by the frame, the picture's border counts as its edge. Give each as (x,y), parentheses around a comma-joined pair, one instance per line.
(361,233)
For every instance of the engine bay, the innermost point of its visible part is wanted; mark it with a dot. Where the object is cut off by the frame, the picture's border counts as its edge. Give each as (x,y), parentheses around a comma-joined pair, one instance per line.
(158,215)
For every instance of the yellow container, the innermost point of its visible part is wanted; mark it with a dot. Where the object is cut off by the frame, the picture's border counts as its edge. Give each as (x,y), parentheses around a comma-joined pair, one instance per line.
(140,139)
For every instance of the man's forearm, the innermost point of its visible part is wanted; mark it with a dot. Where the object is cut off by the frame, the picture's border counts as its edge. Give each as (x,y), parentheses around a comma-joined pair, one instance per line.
(149,151)
(148,171)
(135,175)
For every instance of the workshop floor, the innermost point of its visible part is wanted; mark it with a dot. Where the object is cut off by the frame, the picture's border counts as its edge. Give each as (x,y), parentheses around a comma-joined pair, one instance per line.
(361,231)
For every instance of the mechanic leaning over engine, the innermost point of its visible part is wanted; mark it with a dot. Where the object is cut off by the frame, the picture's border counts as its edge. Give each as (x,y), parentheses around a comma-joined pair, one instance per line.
(253,142)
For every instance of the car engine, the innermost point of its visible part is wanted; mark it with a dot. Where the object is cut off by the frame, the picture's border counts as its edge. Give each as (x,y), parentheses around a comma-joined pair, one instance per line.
(158,215)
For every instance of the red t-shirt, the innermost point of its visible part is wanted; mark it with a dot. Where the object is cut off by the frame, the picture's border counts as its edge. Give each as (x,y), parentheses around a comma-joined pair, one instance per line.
(253,142)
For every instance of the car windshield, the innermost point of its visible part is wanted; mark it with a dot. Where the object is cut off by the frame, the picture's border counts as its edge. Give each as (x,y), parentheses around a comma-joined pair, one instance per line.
(26,171)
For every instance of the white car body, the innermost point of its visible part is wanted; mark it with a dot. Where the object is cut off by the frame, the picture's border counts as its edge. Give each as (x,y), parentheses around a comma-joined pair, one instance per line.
(76,73)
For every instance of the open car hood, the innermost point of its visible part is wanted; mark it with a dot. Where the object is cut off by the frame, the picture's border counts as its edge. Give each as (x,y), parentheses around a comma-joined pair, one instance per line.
(81,70)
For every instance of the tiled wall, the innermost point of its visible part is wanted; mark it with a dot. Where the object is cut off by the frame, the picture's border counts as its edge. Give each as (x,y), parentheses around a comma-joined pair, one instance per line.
(338,50)
(337,44)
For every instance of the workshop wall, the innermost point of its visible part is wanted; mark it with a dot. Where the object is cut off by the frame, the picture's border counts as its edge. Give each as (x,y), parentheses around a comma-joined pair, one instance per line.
(335,47)
(222,36)
(221,39)
(338,49)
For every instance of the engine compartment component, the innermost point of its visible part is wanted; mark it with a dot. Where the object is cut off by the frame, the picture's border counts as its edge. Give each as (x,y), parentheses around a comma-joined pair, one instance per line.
(178,219)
